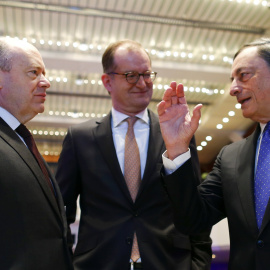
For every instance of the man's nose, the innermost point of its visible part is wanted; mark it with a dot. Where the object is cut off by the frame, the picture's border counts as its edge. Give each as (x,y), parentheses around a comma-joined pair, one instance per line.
(141,82)
(235,88)
(44,82)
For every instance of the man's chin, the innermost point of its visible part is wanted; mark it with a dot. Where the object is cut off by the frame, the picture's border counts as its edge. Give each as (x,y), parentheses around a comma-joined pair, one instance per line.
(249,115)
(40,109)
(246,114)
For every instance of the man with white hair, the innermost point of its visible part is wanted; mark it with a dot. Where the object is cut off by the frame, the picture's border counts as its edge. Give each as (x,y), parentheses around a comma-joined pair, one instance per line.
(33,225)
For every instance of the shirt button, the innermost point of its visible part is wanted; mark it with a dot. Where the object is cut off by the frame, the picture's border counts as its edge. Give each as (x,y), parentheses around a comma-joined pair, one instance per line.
(260,243)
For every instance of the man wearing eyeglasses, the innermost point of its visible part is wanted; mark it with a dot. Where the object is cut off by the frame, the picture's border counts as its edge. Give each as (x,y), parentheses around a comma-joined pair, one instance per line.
(126,218)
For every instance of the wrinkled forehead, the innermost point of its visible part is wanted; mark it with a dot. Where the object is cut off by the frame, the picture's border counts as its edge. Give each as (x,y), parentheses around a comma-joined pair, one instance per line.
(27,54)
(247,58)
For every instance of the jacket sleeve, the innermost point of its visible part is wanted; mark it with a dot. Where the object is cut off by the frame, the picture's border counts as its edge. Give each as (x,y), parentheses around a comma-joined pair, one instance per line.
(67,176)
(201,251)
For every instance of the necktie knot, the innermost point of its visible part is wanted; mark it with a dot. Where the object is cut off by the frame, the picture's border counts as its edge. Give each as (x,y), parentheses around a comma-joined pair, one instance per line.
(130,131)
(23,131)
(29,141)
(131,121)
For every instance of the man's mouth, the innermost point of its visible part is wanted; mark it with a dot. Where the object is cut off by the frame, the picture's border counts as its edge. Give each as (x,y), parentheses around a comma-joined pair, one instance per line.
(243,101)
(140,92)
(41,97)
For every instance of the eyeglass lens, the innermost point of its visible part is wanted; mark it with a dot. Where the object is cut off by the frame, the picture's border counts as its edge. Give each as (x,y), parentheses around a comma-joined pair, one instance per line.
(134,77)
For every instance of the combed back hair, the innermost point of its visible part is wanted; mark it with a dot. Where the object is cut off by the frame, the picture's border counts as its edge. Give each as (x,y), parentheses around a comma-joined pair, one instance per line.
(5,56)
(263,48)
(108,56)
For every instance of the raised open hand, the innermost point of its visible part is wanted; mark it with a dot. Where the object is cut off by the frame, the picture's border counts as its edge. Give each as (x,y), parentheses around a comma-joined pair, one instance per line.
(176,123)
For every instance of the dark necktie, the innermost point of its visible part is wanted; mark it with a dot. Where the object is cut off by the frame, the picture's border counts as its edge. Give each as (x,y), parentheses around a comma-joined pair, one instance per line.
(262,178)
(29,140)
(132,173)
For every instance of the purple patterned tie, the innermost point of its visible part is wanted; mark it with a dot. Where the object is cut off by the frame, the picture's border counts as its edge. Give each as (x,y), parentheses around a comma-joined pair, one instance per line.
(262,177)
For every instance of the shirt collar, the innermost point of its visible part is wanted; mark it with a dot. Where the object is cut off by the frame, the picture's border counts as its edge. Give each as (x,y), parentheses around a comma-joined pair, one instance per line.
(118,117)
(11,120)
(262,128)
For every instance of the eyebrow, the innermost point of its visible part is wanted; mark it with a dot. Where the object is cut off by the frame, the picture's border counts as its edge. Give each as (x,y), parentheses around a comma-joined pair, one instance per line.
(237,72)
(39,68)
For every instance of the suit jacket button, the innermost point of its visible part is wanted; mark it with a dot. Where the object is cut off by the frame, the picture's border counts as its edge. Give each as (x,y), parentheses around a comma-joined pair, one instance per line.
(129,240)
(260,243)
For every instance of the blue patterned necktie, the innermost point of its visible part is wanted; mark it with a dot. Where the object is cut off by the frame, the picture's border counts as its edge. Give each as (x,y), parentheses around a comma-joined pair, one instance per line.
(262,177)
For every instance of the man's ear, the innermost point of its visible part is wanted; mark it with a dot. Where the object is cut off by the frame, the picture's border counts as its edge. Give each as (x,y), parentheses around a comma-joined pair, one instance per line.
(106,79)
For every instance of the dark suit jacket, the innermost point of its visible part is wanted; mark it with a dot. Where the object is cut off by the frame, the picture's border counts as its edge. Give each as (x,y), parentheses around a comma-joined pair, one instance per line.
(228,191)
(33,229)
(88,166)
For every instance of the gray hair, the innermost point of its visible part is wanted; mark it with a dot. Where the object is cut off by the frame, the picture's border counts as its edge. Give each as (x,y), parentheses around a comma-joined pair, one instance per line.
(5,55)
(263,48)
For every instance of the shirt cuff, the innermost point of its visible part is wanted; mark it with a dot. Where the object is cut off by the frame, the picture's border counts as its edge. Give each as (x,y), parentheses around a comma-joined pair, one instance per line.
(171,166)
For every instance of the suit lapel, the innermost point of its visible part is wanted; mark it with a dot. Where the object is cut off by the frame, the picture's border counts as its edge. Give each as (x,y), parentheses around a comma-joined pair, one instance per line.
(155,148)
(245,178)
(103,135)
(59,200)
(15,142)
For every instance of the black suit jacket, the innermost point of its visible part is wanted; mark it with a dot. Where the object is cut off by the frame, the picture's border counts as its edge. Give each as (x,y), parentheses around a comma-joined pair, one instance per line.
(88,166)
(33,224)
(228,191)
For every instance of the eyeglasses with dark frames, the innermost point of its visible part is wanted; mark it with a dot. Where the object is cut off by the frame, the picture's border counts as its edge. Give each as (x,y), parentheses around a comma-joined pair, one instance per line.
(132,77)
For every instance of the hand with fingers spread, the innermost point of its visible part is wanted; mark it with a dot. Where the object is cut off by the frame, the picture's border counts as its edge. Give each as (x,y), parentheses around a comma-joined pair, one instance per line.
(176,123)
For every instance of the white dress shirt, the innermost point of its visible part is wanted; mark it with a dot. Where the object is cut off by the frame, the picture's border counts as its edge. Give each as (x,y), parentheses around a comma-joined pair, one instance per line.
(259,144)
(9,118)
(141,131)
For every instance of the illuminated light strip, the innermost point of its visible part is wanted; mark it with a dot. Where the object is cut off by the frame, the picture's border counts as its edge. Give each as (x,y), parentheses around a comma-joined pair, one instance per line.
(219,126)
(83,47)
